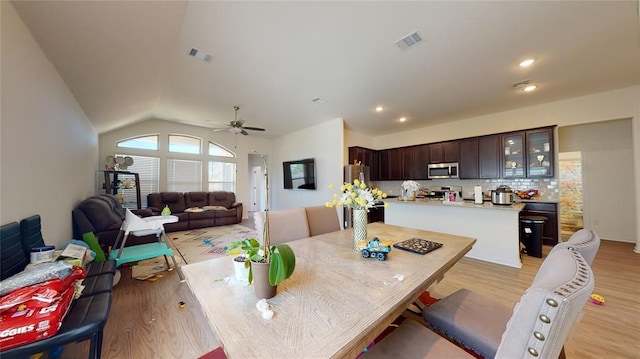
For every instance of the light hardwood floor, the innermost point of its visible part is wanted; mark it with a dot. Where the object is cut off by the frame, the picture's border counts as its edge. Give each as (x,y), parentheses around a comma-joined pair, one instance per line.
(147,322)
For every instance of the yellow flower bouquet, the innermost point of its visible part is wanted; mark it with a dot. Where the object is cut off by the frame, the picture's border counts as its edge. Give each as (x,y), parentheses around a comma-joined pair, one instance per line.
(356,195)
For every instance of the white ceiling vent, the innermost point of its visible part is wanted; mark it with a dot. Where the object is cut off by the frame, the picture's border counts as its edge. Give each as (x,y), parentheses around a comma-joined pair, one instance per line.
(409,41)
(200,55)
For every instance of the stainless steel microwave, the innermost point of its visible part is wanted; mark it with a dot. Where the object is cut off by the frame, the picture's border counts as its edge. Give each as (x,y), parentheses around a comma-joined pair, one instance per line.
(443,170)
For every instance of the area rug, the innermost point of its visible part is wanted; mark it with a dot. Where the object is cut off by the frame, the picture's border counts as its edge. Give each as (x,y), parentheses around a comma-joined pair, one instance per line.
(206,243)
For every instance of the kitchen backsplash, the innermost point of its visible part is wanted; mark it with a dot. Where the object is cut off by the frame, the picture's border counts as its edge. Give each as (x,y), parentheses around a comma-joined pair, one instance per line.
(547,187)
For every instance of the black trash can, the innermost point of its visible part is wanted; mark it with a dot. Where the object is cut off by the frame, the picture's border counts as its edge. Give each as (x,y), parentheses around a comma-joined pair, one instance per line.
(531,234)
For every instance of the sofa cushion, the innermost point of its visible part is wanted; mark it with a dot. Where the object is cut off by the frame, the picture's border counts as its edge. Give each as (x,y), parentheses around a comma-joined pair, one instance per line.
(221,198)
(196,199)
(174,200)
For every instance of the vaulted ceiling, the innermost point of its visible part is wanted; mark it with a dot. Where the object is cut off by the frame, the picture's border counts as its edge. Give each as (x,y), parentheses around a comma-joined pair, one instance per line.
(128,61)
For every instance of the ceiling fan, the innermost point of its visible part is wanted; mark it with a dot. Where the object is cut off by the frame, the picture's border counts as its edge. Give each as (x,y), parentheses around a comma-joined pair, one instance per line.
(237,126)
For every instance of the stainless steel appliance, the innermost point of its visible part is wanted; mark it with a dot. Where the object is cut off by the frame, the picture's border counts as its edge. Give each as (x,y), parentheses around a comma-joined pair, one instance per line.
(353,172)
(441,193)
(502,195)
(442,170)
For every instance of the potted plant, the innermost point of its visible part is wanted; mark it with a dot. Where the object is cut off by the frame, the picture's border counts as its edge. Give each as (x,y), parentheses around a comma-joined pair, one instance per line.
(277,261)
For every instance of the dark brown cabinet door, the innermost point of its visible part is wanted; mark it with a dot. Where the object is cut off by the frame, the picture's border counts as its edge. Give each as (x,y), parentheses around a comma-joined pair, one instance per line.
(489,157)
(444,152)
(395,164)
(468,159)
(408,163)
(513,164)
(367,157)
(420,162)
(384,168)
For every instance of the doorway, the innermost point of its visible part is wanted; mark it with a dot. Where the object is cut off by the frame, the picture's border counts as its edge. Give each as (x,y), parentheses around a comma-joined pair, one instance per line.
(571,193)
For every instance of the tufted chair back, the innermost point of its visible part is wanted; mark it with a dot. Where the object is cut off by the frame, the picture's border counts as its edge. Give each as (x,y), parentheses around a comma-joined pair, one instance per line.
(541,321)
(584,241)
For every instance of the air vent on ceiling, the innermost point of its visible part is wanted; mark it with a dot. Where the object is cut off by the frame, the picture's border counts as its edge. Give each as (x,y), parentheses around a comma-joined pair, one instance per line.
(200,55)
(409,41)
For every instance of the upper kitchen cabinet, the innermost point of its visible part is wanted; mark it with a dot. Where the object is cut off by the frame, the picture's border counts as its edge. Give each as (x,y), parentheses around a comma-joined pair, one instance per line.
(367,157)
(489,156)
(444,152)
(420,162)
(468,164)
(390,164)
(528,153)
(513,164)
(408,163)
(540,152)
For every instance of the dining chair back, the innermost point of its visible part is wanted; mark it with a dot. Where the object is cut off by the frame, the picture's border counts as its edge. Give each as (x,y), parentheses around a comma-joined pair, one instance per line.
(322,219)
(560,288)
(538,326)
(585,241)
(284,226)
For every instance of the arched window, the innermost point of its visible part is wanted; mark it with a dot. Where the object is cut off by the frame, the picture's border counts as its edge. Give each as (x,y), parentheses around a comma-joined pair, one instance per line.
(185,144)
(218,150)
(147,142)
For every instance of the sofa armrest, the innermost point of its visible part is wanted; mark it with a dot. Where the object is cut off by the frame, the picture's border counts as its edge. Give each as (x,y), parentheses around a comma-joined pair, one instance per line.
(235,205)
(154,210)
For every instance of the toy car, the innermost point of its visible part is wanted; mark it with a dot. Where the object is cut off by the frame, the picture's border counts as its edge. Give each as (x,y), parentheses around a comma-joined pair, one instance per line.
(375,248)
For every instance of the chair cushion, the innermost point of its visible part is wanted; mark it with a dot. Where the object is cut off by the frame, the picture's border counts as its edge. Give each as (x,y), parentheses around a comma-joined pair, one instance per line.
(413,341)
(474,320)
(97,284)
(322,219)
(97,268)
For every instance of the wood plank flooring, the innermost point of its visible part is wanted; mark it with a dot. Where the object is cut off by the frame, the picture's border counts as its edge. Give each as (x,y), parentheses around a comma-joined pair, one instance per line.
(147,322)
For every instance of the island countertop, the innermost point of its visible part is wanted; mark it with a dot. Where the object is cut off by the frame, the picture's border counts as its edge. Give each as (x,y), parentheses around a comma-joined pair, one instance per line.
(496,227)
(518,206)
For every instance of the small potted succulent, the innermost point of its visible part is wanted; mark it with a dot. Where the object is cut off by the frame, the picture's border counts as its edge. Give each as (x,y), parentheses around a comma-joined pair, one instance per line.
(243,249)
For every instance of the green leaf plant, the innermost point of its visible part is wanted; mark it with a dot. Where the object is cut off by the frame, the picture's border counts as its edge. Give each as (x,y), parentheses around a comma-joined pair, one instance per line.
(281,258)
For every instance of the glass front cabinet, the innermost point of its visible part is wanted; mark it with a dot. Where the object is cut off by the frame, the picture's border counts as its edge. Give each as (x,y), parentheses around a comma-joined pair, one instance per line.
(540,153)
(528,154)
(513,164)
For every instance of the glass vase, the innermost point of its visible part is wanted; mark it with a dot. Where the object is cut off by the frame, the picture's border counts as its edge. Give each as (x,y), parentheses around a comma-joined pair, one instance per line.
(359,227)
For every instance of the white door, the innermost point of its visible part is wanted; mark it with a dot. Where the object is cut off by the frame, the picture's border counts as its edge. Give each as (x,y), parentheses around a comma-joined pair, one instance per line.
(256,186)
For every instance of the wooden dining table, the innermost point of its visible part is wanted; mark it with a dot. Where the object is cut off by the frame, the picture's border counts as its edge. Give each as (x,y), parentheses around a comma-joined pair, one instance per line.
(335,303)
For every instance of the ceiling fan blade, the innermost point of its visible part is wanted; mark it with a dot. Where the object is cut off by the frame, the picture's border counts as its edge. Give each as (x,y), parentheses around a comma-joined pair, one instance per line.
(220,129)
(244,132)
(254,128)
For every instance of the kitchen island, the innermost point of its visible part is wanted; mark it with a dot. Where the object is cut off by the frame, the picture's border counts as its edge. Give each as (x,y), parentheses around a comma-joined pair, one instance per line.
(495,227)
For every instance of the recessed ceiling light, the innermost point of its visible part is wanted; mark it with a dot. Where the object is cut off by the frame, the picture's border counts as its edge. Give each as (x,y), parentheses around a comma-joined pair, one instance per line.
(527,62)
(379,109)
(402,119)
(529,88)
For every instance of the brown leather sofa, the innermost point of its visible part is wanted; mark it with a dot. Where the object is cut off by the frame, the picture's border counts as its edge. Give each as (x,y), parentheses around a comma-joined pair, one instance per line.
(197,209)
(103,215)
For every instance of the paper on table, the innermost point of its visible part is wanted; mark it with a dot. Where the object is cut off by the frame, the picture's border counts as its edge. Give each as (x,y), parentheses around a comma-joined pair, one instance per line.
(74,251)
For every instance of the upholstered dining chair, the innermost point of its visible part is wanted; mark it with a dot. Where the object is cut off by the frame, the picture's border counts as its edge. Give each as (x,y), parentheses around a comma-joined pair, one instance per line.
(537,326)
(322,219)
(284,226)
(478,321)
(585,241)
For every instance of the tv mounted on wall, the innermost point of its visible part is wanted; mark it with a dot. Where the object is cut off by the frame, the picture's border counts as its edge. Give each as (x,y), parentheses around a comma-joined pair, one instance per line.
(300,174)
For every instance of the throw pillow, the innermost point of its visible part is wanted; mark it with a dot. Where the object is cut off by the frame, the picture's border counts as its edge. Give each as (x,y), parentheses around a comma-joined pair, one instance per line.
(214,208)
(92,241)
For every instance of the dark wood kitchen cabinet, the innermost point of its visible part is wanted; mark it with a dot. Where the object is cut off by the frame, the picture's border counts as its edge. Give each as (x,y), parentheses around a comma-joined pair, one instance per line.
(513,164)
(408,163)
(468,164)
(390,164)
(548,210)
(540,152)
(489,157)
(444,152)
(368,157)
(420,162)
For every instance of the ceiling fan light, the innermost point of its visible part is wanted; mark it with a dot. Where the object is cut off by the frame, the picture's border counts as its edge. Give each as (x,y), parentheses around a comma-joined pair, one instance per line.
(235,130)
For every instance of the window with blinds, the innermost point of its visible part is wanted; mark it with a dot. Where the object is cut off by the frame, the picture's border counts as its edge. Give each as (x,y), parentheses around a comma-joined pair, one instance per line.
(148,169)
(222,176)
(184,175)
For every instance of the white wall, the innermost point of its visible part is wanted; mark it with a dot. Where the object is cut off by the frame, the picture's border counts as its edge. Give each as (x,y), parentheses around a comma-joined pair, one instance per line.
(325,143)
(239,144)
(49,149)
(608,175)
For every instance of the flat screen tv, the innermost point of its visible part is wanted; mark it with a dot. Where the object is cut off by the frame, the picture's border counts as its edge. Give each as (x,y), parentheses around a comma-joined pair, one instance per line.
(300,174)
